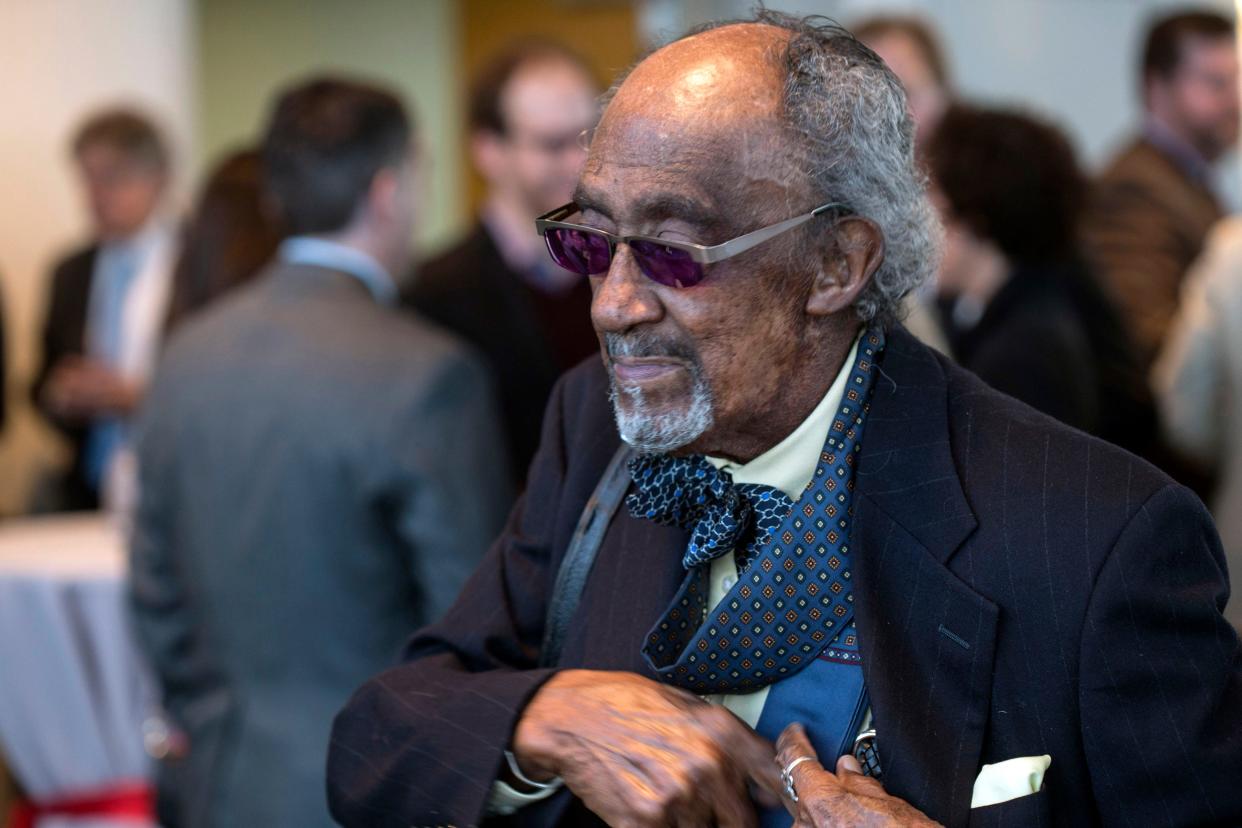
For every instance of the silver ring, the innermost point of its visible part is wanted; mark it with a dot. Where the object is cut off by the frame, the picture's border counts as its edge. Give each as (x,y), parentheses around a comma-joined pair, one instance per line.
(787,776)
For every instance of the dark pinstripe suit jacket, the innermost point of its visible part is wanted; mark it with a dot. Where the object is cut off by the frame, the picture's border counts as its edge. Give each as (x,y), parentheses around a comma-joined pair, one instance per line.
(1021,589)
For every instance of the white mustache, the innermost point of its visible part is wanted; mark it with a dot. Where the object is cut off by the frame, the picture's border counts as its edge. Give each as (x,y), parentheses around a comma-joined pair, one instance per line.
(644,345)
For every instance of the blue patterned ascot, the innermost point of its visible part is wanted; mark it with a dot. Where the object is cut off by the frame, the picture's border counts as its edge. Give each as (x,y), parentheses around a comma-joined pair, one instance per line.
(793,597)
(722,516)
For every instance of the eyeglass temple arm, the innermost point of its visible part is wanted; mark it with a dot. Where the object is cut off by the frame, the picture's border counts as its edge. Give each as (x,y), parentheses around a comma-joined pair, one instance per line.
(743,243)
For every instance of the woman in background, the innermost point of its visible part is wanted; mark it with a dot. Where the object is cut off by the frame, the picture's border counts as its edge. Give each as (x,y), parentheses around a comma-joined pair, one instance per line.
(1018,304)
(229,238)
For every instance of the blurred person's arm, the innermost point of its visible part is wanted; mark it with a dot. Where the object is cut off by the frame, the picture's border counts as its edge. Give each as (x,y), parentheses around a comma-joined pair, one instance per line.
(1136,254)
(80,390)
(448,713)
(160,602)
(1191,375)
(71,389)
(450,490)
(65,307)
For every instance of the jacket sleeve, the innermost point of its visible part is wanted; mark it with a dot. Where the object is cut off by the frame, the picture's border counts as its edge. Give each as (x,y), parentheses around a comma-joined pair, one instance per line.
(450,485)
(1161,674)
(1136,253)
(55,336)
(1190,377)
(165,621)
(421,744)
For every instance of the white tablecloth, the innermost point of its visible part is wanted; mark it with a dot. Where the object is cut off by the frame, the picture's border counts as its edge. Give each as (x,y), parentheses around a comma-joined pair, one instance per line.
(73,690)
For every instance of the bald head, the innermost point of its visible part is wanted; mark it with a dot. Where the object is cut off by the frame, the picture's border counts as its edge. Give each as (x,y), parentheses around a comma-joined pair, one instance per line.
(707,105)
(732,74)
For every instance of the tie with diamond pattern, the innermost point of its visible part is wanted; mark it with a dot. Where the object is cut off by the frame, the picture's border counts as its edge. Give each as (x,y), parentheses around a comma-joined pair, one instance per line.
(794,598)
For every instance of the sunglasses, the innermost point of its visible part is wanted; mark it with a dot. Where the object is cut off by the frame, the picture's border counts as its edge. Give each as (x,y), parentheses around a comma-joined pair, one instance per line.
(588,251)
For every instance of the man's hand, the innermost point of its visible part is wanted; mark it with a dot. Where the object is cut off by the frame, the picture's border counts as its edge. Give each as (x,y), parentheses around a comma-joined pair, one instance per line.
(80,390)
(844,798)
(638,753)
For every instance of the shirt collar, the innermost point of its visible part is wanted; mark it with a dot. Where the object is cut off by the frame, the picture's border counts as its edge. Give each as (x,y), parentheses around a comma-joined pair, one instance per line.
(519,251)
(525,253)
(143,240)
(791,463)
(317,252)
(1189,160)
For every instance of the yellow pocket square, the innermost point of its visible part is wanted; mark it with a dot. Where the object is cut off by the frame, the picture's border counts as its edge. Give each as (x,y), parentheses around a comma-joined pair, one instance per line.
(1010,779)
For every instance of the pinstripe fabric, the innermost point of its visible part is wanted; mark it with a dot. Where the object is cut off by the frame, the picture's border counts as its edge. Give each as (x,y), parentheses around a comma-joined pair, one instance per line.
(1020,589)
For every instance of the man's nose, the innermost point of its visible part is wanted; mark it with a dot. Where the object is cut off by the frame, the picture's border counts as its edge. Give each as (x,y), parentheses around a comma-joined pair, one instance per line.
(624,297)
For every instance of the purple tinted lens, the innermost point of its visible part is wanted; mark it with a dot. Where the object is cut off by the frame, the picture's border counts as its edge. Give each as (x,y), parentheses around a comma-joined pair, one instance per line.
(669,266)
(579,251)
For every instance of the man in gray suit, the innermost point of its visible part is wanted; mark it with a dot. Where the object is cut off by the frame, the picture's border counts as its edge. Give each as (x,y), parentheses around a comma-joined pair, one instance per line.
(318,476)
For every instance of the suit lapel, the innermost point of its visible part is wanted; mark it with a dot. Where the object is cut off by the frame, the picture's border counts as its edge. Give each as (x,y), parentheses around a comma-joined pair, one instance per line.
(78,304)
(636,574)
(927,639)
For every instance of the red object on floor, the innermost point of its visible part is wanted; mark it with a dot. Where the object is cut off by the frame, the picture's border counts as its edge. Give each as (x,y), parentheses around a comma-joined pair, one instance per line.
(128,799)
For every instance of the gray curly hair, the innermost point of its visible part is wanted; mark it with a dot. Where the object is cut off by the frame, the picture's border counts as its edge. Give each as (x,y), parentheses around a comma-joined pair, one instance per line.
(847,110)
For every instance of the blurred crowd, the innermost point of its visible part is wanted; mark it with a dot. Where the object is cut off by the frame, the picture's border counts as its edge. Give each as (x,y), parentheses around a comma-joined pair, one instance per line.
(317,432)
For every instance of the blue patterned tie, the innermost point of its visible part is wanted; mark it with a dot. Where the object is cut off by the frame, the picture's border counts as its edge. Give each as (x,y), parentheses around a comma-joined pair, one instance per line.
(794,595)
(722,516)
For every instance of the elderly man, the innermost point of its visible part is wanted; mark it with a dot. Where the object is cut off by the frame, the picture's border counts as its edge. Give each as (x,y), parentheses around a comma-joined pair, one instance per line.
(831,535)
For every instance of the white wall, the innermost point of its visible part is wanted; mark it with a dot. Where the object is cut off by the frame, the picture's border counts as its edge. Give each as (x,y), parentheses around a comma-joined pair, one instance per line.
(60,59)
(252,50)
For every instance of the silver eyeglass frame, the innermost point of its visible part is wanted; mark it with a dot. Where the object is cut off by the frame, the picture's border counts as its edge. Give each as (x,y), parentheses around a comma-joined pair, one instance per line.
(701,253)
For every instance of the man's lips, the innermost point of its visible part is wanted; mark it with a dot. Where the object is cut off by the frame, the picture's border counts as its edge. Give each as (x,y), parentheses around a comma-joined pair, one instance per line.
(636,369)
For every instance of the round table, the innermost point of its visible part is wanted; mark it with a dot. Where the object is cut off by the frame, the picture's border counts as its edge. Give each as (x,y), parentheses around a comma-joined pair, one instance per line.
(74,691)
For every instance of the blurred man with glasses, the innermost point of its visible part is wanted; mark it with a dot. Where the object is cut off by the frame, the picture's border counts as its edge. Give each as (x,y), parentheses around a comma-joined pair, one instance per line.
(529,109)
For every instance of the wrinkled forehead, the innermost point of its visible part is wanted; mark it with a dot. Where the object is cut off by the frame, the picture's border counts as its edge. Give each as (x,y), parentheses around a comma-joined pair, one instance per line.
(702,114)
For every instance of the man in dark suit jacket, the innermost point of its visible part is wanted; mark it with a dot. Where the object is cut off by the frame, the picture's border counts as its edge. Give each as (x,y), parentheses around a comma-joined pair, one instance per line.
(1008,621)
(1154,203)
(319,475)
(496,288)
(105,304)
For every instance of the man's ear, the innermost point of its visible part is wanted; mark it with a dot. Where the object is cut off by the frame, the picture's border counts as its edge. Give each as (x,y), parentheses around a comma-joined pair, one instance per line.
(383,193)
(847,266)
(487,152)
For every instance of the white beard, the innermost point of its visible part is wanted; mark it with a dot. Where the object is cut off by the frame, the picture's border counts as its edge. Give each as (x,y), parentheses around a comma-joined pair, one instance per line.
(640,424)
(661,432)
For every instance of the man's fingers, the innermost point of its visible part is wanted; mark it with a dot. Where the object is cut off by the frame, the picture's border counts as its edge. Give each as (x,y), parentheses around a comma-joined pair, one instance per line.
(793,743)
(795,753)
(848,764)
(850,775)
